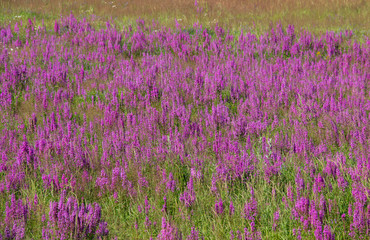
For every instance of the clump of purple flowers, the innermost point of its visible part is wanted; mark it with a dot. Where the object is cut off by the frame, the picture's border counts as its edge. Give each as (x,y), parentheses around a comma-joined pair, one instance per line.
(69,219)
(168,231)
(166,124)
(16,216)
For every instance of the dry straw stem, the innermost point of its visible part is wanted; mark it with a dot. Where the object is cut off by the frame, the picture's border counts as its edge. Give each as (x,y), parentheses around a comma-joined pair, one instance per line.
(313,15)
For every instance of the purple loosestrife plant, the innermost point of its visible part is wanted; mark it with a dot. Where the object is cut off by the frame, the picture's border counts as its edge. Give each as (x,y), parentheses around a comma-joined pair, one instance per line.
(188,196)
(69,218)
(119,117)
(168,232)
(219,207)
(16,216)
(276,219)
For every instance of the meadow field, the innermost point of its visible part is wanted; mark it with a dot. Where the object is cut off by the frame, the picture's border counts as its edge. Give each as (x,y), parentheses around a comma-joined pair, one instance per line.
(184,120)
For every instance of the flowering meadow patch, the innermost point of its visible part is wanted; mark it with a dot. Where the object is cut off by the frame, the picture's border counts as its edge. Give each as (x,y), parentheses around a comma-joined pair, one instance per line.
(148,132)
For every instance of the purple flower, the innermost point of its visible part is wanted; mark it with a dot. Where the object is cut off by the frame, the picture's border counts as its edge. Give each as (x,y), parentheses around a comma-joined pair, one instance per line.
(219,207)
(164,207)
(328,235)
(62,220)
(188,196)
(276,219)
(231,208)
(168,232)
(194,234)
(250,209)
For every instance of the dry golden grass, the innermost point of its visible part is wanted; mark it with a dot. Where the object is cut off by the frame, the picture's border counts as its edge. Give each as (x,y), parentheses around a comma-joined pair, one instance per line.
(314,15)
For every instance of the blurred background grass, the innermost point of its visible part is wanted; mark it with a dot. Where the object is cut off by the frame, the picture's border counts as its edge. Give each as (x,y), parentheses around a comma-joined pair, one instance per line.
(257,16)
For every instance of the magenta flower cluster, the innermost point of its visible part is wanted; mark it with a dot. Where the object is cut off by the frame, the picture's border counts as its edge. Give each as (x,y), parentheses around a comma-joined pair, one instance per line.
(176,126)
